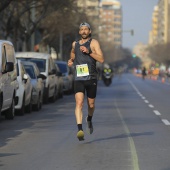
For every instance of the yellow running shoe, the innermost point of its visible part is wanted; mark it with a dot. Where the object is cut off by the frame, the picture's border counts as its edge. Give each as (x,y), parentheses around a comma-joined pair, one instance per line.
(80,135)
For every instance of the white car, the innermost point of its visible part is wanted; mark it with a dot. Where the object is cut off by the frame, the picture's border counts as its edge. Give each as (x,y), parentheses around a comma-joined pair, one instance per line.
(45,64)
(60,81)
(67,76)
(8,82)
(37,83)
(23,94)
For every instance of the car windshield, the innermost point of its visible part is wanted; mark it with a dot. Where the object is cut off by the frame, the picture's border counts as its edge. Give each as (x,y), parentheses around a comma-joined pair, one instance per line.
(62,67)
(30,71)
(41,63)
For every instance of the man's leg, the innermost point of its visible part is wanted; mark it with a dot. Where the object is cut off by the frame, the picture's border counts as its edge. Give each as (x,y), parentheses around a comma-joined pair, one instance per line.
(91,89)
(91,106)
(79,97)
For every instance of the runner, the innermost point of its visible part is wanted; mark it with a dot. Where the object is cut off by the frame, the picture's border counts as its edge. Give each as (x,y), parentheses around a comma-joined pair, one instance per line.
(84,54)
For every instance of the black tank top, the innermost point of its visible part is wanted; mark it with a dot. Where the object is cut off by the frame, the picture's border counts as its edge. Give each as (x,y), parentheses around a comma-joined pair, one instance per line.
(83,59)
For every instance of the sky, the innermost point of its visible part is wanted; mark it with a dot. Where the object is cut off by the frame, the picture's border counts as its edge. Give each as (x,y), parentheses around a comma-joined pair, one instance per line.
(137,15)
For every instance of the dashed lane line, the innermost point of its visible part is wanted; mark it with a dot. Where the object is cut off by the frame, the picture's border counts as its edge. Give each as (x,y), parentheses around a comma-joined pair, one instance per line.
(157,112)
(151,106)
(165,121)
(146,101)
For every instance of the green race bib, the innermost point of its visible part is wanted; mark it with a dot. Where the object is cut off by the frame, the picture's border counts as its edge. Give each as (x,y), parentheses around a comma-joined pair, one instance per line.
(82,70)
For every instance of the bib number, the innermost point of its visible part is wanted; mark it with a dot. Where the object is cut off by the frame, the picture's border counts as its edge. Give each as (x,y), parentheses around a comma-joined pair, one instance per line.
(82,70)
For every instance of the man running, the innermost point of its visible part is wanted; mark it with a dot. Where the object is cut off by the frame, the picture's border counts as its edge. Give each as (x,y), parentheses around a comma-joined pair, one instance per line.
(84,54)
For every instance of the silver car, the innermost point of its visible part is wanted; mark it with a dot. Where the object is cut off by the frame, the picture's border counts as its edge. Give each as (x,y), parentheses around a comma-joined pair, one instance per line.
(67,76)
(44,63)
(37,83)
(60,81)
(23,93)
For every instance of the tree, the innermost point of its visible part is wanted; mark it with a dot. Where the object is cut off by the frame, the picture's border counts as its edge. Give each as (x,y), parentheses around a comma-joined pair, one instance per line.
(4,4)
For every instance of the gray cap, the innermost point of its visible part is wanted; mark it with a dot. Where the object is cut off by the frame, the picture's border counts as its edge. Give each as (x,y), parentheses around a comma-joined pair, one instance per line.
(84,24)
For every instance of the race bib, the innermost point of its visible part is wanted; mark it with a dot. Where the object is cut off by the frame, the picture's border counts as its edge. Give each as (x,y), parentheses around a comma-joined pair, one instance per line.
(82,70)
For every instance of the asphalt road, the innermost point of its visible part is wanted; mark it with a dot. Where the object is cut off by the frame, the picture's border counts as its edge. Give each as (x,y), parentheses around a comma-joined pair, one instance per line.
(131,131)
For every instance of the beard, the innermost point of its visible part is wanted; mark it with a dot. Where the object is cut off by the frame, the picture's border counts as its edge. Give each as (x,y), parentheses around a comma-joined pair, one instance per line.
(84,36)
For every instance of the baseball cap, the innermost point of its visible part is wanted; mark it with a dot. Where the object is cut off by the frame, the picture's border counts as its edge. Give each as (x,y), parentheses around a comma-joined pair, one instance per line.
(84,24)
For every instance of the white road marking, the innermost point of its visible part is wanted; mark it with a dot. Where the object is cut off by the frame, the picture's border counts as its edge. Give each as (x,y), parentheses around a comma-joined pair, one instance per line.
(146,101)
(151,106)
(139,94)
(156,112)
(166,122)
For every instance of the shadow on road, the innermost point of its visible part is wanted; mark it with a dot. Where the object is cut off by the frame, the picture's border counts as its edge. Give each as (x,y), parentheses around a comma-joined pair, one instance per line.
(121,136)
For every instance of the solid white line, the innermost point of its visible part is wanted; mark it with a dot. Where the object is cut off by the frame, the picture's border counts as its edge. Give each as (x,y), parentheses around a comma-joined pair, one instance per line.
(156,112)
(166,122)
(146,101)
(150,105)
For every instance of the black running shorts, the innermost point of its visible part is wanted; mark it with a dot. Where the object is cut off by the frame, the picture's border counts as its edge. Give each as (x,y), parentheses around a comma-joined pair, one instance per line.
(88,86)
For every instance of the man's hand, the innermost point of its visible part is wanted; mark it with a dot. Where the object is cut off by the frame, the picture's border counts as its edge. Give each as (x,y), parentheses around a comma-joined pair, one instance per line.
(70,62)
(84,49)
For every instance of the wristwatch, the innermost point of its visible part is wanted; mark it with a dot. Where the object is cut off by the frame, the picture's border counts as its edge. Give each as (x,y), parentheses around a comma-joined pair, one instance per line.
(90,51)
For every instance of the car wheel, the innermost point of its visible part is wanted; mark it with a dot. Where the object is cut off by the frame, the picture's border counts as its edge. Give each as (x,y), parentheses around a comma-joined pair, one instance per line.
(53,99)
(61,94)
(0,104)
(28,108)
(37,106)
(46,96)
(22,110)
(41,101)
(10,113)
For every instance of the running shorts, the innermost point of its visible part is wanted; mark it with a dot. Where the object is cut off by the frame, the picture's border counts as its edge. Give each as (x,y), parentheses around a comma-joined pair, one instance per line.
(88,86)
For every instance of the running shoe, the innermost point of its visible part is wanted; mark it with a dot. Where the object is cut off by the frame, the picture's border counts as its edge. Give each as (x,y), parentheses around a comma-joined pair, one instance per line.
(89,126)
(80,135)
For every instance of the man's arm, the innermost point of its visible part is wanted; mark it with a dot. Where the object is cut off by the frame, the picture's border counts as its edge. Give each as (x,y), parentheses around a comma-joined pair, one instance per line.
(96,51)
(72,55)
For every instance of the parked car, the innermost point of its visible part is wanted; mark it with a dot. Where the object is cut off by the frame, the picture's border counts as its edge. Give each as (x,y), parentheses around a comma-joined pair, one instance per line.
(67,76)
(23,94)
(37,83)
(8,79)
(60,81)
(45,64)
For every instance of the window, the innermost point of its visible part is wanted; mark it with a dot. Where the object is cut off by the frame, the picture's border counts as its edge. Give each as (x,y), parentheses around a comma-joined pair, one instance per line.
(41,63)
(30,71)
(3,59)
(10,53)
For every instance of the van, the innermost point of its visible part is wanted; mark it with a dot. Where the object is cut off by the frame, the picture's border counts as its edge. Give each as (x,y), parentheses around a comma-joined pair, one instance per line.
(45,65)
(8,79)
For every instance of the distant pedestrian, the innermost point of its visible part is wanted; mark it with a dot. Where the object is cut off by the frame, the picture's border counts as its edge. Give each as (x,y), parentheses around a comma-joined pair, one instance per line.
(143,73)
(84,54)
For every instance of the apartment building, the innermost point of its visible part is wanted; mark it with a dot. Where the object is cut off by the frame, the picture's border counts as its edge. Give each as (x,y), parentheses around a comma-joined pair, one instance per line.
(110,29)
(154,32)
(161,23)
(91,9)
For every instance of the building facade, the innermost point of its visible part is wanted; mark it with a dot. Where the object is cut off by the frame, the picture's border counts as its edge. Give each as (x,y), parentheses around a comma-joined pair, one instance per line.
(154,32)
(110,29)
(160,33)
(91,9)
